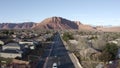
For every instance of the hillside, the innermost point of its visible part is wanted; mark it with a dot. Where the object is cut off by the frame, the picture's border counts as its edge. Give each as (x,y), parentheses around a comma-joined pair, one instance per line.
(57,23)
(62,24)
(25,25)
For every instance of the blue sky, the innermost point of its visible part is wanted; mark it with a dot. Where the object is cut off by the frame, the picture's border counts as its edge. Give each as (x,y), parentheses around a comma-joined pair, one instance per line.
(93,12)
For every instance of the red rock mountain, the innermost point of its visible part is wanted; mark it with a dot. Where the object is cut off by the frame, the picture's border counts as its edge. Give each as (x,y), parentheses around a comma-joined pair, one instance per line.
(48,23)
(57,23)
(26,25)
(61,23)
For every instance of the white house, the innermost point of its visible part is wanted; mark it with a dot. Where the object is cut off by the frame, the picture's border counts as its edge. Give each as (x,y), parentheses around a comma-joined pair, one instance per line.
(11,46)
(1,42)
(26,42)
(11,50)
(9,53)
(29,44)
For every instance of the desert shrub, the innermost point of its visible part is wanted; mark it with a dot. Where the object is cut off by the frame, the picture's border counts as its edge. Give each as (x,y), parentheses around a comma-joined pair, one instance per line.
(67,36)
(109,52)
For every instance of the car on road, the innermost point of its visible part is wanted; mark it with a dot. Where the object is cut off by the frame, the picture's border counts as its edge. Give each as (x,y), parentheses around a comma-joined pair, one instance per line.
(55,56)
(110,62)
(54,65)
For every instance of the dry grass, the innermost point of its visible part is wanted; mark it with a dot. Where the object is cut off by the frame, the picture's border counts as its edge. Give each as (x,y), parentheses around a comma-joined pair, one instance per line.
(89,64)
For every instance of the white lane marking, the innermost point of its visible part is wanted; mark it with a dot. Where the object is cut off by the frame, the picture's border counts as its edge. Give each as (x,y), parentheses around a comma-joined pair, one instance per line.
(45,64)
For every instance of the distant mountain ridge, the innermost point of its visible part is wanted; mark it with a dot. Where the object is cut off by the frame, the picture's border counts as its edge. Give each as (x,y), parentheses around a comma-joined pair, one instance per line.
(25,25)
(57,23)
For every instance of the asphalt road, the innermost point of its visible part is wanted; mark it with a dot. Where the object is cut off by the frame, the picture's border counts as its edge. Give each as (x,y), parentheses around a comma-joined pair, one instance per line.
(114,64)
(55,53)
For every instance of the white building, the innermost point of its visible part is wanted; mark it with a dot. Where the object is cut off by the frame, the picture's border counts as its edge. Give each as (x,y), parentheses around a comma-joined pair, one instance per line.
(11,50)
(11,46)
(29,44)
(1,42)
(10,53)
(26,42)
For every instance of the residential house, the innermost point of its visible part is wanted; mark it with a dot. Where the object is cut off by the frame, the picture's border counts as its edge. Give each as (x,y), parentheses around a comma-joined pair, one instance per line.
(11,53)
(20,64)
(1,42)
(29,44)
(11,50)
(11,46)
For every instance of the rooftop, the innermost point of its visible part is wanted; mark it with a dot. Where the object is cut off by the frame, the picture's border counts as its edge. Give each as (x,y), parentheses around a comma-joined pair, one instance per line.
(11,51)
(12,44)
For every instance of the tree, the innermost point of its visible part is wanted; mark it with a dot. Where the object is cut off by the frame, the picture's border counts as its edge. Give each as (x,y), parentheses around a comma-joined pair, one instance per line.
(6,32)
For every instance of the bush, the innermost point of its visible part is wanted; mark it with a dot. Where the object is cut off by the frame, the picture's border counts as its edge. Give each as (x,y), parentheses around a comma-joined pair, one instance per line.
(105,56)
(67,36)
(109,52)
(8,60)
